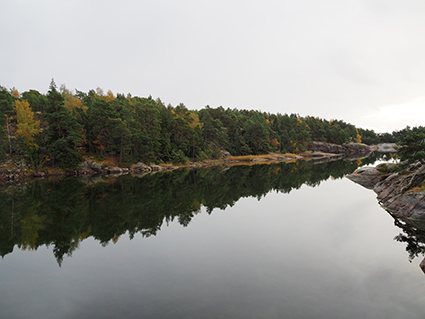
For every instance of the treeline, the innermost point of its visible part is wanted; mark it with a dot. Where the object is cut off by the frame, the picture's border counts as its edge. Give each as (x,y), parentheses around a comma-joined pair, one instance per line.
(57,129)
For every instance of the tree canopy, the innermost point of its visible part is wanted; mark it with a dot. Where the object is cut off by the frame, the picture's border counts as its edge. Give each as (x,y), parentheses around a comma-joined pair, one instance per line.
(412,147)
(61,127)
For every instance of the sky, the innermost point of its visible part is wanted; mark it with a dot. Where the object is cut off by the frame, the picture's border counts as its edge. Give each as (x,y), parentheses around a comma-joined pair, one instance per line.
(358,61)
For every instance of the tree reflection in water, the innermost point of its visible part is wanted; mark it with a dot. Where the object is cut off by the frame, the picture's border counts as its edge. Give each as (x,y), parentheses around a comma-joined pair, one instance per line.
(63,212)
(413,234)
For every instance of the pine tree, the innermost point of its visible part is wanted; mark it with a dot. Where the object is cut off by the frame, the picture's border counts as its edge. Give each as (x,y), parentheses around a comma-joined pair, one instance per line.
(62,133)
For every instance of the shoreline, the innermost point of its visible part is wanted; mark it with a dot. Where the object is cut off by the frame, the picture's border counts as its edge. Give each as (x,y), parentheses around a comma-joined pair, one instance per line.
(11,171)
(402,194)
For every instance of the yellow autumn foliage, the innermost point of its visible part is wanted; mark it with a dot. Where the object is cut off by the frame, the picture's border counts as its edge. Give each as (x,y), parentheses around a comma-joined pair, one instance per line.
(109,96)
(71,102)
(195,121)
(358,137)
(27,127)
(16,94)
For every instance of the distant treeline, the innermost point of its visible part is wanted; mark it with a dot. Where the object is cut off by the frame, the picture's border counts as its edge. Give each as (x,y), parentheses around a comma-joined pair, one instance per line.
(58,128)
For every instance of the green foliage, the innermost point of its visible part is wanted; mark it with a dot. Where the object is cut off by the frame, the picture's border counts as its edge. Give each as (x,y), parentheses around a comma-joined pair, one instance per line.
(412,147)
(4,145)
(202,156)
(62,133)
(384,168)
(369,137)
(6,104)
(215,154)
(133,129)
(178,157)
(37,100)
(213,129)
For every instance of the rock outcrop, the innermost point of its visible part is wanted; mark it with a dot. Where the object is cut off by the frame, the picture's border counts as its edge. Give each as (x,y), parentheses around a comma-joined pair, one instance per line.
(385,148)
(402,194)
(368,177)
(348,148)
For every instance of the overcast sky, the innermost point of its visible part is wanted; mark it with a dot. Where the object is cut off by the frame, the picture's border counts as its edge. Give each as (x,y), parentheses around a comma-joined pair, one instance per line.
(359,61)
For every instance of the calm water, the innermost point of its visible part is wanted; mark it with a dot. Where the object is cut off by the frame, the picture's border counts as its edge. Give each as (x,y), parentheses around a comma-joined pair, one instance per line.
(280,241)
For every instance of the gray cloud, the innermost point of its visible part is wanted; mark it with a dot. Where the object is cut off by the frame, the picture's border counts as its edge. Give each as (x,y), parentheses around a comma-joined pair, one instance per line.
(331,59)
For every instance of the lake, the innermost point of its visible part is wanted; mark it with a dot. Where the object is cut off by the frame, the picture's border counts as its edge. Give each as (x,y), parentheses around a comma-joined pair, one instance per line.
(290,240)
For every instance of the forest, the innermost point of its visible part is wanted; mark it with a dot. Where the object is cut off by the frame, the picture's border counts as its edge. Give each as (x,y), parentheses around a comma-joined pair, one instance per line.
(60,128)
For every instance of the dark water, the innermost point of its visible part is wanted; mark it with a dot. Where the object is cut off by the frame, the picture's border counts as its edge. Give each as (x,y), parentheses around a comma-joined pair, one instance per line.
(264,241)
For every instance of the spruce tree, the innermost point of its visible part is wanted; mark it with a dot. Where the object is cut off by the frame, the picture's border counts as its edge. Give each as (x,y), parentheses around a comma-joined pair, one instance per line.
(62,134)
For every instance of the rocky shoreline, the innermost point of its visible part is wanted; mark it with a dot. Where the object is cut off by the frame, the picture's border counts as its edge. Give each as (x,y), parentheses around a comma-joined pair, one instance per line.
(320,152)
(11,171)
(401,193)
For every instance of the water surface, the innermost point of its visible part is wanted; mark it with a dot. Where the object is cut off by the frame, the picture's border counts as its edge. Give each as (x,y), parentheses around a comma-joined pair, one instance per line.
(269,241)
